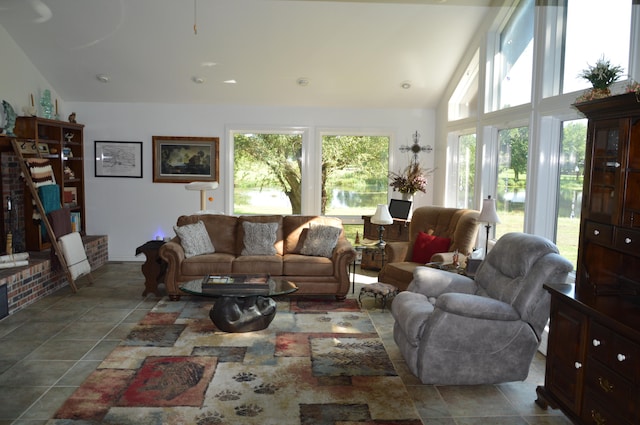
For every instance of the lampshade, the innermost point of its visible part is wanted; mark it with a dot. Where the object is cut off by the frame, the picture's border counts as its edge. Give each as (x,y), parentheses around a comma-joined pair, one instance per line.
(488,213)
(382,215)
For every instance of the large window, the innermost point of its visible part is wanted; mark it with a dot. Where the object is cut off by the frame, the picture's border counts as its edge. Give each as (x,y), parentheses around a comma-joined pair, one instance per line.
(513,145)
(466,171)
(267,173)
(354,173)
(464,100)
(515,67)
(594,29)
(571,178)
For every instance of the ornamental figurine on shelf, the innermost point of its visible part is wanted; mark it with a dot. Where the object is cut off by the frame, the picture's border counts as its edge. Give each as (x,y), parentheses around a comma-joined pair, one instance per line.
(72,118)
(601,76)
(47,106)
(10,118)
(633,87)
(412,180)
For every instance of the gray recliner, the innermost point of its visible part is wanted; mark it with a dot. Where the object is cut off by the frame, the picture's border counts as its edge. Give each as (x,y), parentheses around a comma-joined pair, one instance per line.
(457,331)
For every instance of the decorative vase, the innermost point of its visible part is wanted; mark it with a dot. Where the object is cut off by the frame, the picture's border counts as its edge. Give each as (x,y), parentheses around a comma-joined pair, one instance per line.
(407,196)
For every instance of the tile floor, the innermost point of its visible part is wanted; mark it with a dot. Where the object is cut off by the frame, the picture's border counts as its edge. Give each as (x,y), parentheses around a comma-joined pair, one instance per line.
(51,346)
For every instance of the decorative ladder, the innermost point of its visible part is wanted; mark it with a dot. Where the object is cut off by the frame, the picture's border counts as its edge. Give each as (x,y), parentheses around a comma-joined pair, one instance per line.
(36,198)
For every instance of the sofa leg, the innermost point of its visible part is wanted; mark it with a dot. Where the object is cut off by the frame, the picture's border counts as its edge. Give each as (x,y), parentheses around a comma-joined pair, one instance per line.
(174,297)
(341,297)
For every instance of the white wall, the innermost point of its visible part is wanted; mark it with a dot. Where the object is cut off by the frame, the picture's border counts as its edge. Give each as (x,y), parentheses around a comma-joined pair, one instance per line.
(19,78)
(133,211)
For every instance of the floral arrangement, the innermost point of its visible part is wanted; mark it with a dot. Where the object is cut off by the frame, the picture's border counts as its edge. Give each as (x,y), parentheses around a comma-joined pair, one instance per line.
(412,180)
(602,74)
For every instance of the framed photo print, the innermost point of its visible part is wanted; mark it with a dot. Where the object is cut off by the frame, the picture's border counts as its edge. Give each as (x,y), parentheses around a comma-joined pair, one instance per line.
(185,159)
(118,159)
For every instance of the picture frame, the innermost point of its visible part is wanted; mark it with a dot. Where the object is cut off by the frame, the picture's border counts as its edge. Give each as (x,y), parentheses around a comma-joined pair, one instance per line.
(70,196)
(185,159)
(43,148)
(118,159)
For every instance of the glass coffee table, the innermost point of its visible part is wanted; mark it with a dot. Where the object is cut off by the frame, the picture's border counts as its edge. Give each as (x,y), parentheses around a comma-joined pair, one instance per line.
(241,312)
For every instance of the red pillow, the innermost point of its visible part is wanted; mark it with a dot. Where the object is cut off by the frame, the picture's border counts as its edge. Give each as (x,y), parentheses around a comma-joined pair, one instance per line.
(428,245)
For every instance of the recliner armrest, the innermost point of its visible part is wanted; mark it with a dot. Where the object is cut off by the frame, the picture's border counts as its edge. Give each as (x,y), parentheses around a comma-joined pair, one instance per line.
(396,252)
(476,307)
(435,282)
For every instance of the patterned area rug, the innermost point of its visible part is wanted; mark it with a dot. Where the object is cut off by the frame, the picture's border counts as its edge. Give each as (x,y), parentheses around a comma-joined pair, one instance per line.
(316,364)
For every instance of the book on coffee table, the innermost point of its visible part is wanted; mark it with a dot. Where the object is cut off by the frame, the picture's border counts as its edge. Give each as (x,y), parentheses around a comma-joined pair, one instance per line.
(257,284)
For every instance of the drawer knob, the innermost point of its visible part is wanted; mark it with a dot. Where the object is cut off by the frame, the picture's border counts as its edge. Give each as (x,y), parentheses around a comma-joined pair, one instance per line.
(605,385)
(596,343)
(621,357)
(596,232)
(627,240)
(577,365)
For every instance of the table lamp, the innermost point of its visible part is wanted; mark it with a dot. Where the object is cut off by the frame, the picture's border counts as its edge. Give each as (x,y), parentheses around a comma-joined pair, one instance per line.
(382,217)
(488,215)
(202,187)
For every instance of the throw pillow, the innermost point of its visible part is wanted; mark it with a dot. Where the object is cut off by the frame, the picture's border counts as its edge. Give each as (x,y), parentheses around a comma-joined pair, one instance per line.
(194,239)
(427,245)
(321,240)
(259,238)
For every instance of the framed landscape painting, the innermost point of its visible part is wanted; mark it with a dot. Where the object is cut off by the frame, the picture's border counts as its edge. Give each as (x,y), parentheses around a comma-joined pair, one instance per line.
(118,159)
(185,159)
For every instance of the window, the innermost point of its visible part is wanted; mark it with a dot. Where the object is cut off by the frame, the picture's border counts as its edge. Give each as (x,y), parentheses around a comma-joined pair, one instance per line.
(464,101)
(466,171)
(513,151)
(515,67)
(593,31)
(267,173)
(354,174)
(570,181)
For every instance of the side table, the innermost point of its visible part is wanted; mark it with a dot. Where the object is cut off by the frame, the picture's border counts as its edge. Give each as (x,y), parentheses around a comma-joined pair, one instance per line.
(154,268)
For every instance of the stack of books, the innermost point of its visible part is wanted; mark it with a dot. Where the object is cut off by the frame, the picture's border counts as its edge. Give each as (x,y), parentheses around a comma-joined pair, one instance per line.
(236,284)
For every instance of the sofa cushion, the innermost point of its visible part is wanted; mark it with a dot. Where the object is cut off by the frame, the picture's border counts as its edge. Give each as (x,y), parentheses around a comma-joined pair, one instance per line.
(321,240)
(427,245)
(304,265)
(222,230)
(250,264)
(194,239)
(259,238)
(296,229)
(202,265)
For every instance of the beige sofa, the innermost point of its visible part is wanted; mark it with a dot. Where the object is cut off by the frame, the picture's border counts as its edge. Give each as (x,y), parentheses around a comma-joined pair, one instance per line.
(459,225)
(313,274)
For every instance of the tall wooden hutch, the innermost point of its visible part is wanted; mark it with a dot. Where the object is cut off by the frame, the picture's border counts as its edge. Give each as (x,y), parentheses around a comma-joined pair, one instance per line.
(593,355)
(62,143)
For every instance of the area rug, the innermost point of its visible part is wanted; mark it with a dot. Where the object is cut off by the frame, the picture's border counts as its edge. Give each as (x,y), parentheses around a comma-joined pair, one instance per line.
(316,364)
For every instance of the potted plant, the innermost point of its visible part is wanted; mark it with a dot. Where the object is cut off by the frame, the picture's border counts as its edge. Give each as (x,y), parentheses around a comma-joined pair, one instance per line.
(601,76)
(412,180)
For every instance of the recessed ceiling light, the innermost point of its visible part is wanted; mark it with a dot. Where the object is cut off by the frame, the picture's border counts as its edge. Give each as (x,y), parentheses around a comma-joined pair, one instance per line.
(303,82)
(103,78)
(406,85)
(208,64)
(230,81)
(197,80)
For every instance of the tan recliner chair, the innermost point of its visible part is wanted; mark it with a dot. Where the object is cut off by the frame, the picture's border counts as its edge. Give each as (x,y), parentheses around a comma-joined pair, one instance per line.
(459,225)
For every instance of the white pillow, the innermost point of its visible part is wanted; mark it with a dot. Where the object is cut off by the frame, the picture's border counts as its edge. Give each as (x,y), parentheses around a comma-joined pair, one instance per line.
(194,239)
(321,240)
(259,238)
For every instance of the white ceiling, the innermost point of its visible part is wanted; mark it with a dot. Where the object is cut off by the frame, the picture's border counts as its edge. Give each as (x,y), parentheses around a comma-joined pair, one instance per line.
(353,53)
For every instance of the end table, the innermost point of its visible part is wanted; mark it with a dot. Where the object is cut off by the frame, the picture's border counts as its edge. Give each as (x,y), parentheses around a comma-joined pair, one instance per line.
(154,268)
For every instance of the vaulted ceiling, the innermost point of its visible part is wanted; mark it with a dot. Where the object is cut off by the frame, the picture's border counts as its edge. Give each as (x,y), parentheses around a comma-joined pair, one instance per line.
(278,52)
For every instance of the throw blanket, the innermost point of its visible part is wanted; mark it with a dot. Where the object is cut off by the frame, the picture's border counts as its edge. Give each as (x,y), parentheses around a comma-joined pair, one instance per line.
(50,198)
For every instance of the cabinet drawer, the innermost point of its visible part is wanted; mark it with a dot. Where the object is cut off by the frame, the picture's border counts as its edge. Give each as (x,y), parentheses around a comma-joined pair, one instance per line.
(617,353)
(612,389)
(598,232)
(627,240)
(597,412)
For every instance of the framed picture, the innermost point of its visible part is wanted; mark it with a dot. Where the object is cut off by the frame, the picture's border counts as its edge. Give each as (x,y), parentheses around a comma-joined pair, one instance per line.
(43,148)
(185,159)
(118,159)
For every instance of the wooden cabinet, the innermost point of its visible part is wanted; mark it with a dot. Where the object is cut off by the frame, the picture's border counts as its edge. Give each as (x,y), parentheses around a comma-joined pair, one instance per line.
(593,355)
(396,232)
(61,143)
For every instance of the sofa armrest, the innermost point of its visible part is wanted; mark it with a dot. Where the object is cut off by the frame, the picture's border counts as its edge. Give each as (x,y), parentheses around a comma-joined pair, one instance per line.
(396,252)
(173,253)
(343,255)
